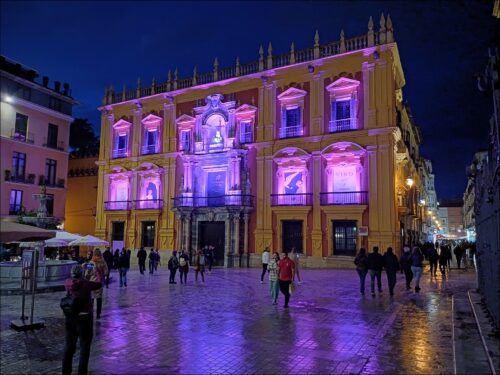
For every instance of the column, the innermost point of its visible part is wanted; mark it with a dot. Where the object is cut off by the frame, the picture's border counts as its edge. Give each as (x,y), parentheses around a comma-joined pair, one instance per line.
(187,232)
(316,233)
(369,119)
(236,239)
(228,250)
(246,255)
(102,187)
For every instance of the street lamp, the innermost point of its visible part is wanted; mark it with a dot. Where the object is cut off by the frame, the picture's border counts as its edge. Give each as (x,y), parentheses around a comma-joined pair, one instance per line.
(409,182)
(8,98)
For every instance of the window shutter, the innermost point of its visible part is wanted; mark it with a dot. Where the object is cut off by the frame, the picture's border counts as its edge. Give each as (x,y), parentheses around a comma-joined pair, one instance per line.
(334,110)
(283,118)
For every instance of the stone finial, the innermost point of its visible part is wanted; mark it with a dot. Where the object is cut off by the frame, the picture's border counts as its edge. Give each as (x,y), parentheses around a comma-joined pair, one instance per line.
(124,91)
(390,31)
(153,86)
(316,45)
(292,54)
(138,90)
(216,69)
(195,73)
(105,97)
(237,66)
(370,35)
(176,75)
(261,58)
(269,56)
(342,41)
(382,30)
(169,75)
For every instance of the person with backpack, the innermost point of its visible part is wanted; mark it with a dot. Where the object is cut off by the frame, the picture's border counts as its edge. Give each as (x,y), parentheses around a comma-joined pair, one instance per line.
(361,262)
(152,259)
(433,259)
(108,258)
(391,265)
(405,263)
(79,323)
(157,259)
(375,265)
(173,264)
(123,266)
(97,271)
(200,266)
(443,259)
(183,266)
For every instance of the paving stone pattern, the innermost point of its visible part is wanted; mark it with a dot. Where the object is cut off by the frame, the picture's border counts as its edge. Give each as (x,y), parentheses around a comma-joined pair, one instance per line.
(229,326)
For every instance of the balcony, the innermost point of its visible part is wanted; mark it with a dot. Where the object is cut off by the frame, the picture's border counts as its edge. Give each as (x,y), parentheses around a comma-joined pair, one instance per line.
(246,138)
(344,198)
(148,204)
(9,177)
(291,199)
(58,145)
(117,205)
(22,136)
(291,131)
(343,125)
(148,150)
(120,153)
(219,201)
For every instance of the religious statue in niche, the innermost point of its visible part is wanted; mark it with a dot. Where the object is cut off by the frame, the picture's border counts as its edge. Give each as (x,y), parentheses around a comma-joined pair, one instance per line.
(151,192)
(294,183)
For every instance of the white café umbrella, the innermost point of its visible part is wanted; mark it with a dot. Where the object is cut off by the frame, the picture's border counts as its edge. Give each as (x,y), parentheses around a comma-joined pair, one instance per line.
(62,238)
(89,241)
(56,242)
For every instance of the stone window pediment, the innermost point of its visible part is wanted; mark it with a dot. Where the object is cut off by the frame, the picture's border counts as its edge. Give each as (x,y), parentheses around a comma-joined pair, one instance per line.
(343,84)
(292,95)
(122,125)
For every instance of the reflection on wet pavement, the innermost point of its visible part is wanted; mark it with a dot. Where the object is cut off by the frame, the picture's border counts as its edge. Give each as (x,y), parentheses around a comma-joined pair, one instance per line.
(228,325)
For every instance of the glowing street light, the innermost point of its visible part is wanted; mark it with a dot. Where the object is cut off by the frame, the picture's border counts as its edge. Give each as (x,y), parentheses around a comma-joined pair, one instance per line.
(409,182)
(8,98)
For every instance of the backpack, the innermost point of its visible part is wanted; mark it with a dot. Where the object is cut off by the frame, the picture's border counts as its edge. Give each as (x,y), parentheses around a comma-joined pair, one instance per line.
(170,264)
(182,261)
(71,305)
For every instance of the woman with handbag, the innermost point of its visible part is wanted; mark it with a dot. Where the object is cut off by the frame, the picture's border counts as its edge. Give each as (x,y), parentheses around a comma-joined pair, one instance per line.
(98,273)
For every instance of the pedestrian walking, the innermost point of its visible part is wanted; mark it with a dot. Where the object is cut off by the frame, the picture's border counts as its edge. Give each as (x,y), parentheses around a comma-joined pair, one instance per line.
(108,258)
(200,266)
(272,268)
(286,271)
(448,257)
(152,260)
(433,259)
(391,265)
(375,265)
(361,262)
(210,257)
(116,258)
(79,326)
(443,260)
(97,272)
(265,261)
(183,266)
(123,266)
(157,259)
(173,264)
(405,262)
(295,256)
(417,260)
(459,252)
(141,256)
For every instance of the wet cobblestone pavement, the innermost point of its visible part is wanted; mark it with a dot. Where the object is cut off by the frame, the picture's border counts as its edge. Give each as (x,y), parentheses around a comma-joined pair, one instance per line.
(228,325)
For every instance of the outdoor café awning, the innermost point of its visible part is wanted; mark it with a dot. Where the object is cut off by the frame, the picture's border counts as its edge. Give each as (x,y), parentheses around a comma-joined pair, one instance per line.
(10,232)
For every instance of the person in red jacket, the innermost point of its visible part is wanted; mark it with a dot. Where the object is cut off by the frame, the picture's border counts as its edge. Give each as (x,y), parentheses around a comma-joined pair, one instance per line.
(80,325)
(286,273)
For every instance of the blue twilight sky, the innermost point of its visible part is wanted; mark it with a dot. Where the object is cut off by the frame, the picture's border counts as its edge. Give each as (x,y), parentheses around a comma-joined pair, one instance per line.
(92,45)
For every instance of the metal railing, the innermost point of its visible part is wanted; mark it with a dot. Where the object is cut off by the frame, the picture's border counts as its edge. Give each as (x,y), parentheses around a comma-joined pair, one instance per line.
(26,137)
(291,131)
(148,204)
(218,201)
(344,198)
(150,149)
(304,199)
(246,137)
(117,205)
(342,125)
(58,145)
(120,153)
(15,209)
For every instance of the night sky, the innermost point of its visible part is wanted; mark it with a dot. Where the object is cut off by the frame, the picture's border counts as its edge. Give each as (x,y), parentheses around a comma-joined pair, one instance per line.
(91,45)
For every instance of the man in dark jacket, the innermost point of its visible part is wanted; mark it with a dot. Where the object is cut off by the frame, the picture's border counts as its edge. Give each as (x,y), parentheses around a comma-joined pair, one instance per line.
(433,259)
(80,325)
(142,255)
(108,258)
(123,266)
(391,265)
(375,265)
(406,266)
(458,255)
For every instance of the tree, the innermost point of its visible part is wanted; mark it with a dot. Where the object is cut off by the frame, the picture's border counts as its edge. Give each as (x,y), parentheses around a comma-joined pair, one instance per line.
(82,138)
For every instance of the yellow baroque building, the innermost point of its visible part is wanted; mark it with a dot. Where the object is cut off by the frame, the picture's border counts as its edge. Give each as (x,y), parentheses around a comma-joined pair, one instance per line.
(311,149)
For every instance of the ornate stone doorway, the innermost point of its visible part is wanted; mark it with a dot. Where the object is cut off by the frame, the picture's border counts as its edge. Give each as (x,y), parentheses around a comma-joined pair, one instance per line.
(213,234)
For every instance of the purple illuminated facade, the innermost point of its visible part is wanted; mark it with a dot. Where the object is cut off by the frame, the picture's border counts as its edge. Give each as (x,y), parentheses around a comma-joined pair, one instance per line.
(302,150)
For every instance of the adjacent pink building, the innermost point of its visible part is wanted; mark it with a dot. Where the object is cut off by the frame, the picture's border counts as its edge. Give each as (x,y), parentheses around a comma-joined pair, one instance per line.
(35,123)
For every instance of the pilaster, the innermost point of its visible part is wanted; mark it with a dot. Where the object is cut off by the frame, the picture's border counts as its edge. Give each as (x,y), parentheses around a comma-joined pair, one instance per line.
(316,233)
(316,103)
(169,132)
(369,118)
(137,130)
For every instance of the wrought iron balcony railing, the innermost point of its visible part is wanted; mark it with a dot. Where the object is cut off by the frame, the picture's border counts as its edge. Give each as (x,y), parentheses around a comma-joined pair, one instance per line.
(304,199)
(344,198)
(58,145)
(246,137)
(148,204)
(342,125)
(291,131)
(22,136)
(219,201)
(117,205)
(150,149)
(120,153)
